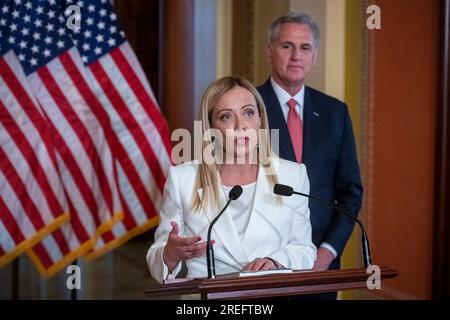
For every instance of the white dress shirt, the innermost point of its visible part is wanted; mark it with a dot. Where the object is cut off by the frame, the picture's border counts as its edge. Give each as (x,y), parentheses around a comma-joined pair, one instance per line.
(283,98)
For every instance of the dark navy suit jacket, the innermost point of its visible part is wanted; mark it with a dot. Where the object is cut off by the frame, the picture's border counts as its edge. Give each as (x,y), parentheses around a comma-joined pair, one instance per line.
(329,154)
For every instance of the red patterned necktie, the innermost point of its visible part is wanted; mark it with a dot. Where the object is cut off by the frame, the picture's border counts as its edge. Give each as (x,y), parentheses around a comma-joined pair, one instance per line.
(295,126)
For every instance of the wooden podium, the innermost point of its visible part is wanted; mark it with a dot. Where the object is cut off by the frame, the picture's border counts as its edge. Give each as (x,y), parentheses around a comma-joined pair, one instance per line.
(276,285)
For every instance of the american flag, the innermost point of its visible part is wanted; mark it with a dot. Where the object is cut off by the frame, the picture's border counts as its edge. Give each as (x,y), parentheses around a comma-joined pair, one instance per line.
(32,200)
(111,141)
(124,92)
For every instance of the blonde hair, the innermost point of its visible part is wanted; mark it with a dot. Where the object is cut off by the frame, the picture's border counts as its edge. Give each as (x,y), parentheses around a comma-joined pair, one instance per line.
(208,173)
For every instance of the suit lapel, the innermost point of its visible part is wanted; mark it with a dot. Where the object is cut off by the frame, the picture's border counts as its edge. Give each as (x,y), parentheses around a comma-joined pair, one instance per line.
(277,121)
(311,124)
(225,230)
(261,214)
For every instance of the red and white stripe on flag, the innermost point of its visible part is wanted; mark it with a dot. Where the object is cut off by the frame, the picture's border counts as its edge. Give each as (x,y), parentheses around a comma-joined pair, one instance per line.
(85,143)
(110,143)
(126,95)
(32,200)
(141,143)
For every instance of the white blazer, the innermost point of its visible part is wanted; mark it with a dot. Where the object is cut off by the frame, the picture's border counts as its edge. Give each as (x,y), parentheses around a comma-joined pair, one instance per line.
(281,231)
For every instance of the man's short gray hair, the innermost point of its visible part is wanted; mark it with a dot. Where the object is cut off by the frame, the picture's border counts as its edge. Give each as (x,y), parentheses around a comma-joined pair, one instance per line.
(294,17)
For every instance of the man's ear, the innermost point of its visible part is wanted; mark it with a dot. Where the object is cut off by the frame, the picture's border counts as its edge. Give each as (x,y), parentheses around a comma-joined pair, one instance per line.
(315,55)
(269,54)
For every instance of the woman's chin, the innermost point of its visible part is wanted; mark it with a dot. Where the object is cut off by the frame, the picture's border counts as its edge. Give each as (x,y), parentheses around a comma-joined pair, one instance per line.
(241,158)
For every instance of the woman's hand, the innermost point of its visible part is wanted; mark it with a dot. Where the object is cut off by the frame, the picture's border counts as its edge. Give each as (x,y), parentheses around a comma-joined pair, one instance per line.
(262,264)
(180,249)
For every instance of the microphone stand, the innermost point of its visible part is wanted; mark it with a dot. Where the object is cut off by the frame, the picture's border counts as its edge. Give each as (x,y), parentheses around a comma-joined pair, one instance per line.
(365,240)
(209,248)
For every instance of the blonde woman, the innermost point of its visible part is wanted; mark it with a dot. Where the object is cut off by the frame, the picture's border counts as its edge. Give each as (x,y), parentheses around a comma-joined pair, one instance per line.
(259,231)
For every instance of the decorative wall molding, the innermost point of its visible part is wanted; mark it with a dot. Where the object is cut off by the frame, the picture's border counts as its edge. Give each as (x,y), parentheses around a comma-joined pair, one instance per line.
(367,114)
(243,60)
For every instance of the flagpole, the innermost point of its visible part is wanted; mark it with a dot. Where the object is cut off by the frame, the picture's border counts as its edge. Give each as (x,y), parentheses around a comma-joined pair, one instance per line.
(15,279)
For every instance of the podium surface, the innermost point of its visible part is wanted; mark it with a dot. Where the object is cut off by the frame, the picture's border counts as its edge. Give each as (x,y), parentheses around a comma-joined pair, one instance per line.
(275,285)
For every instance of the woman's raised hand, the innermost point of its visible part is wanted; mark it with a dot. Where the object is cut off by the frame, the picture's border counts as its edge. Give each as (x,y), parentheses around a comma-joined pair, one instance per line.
(180,248)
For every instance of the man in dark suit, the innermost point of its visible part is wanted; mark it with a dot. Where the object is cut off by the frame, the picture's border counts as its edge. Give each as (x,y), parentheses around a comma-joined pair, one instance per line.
(315,129)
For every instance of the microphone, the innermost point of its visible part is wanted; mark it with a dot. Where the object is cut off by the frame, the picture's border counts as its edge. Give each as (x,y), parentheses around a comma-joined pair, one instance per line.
(234,194)
(284,190)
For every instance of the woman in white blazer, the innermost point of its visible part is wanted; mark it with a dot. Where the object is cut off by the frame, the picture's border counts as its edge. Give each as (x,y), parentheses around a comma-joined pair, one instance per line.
(259,230)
